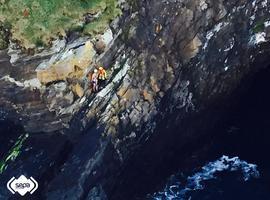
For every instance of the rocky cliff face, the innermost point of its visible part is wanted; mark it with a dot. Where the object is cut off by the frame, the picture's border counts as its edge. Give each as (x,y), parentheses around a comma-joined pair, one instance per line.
(173,65)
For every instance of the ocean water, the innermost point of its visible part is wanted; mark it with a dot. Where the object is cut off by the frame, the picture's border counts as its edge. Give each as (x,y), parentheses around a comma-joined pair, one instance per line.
(226,178)
(244,174)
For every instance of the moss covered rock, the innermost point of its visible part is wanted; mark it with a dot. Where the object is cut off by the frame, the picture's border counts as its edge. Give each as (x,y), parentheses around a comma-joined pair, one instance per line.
(3,37)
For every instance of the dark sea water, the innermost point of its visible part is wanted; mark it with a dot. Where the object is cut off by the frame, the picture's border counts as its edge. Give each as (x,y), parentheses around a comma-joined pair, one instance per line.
(244,172)
(223,179)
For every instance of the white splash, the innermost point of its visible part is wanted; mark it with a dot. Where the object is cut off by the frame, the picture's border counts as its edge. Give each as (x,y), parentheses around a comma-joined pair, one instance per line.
(266,24)
(222,164)
(258,38)
(176,190)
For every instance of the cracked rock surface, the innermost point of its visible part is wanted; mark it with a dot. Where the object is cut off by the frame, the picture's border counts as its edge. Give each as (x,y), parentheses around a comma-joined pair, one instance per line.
(169,62)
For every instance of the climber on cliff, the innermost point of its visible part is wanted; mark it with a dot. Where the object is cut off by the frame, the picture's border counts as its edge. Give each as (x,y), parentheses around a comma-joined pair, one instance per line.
(102,76)
(93,77)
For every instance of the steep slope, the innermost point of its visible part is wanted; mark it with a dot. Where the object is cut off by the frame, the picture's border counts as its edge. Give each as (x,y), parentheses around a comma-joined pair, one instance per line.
(174,65)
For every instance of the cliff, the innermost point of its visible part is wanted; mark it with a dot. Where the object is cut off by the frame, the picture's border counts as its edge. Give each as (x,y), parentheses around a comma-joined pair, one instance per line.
(173,66)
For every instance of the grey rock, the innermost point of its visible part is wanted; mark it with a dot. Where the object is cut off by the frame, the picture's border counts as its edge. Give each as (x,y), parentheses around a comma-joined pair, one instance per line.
(159,80)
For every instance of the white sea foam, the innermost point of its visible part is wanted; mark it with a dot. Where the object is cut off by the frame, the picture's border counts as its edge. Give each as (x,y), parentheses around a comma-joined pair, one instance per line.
(177,190)
(258,38)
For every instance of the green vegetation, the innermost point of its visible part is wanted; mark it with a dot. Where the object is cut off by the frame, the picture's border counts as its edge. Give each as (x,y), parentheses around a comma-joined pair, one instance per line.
(3,42)
(13,153)
(4,35)
(110,11)
(37,22)
(259,27)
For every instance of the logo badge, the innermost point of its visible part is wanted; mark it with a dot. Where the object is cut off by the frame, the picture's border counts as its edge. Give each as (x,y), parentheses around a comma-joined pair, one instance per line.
(22,185)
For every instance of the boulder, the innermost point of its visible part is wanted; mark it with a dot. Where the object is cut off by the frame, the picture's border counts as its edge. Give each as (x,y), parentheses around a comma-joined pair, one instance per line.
(100,45)
(103,41)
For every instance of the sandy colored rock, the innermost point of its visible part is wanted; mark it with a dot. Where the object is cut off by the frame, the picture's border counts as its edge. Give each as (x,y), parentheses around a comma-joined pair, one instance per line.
(78,90)
(122,91)
(192,48)
(67,67)
(154,85)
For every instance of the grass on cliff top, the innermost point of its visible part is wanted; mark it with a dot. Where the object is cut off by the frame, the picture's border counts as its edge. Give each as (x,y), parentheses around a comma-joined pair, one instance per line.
(36,22)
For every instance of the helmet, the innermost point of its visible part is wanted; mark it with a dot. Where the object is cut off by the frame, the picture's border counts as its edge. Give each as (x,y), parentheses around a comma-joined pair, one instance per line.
(100,68)
(95,70)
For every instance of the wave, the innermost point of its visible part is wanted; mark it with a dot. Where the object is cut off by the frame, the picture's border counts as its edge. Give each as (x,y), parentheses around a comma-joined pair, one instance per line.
(175,189)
